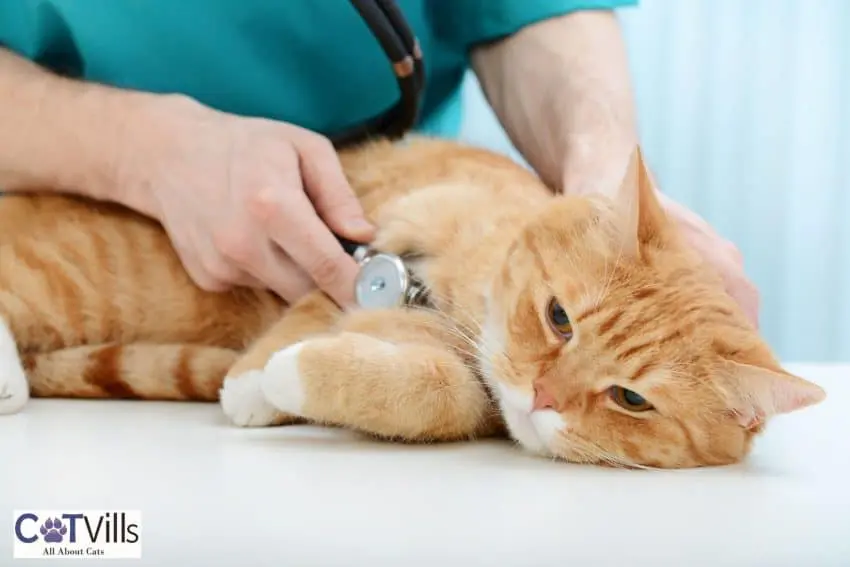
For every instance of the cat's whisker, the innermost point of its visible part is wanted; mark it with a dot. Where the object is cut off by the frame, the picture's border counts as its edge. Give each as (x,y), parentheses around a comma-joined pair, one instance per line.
(455,330)
(480,338)
(578,442)
(454,306)
(447,325)
(578,445)
(477,339)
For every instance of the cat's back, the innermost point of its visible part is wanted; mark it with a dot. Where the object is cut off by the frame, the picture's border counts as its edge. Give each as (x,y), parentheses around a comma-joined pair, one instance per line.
(379,172)
(44,222)
(113,275)
(22,215)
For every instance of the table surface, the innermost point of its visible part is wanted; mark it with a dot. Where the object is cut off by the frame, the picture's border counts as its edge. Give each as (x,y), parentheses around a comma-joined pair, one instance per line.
(211,494)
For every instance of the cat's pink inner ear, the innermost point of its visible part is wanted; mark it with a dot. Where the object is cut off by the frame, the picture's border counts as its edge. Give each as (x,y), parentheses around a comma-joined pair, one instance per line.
(758,393)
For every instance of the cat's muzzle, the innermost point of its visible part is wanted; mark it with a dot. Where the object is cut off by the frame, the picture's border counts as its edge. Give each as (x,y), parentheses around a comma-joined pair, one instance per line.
(385,282)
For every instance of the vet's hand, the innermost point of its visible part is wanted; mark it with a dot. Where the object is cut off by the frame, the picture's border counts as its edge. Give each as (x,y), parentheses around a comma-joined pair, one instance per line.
(718,251)
(245,201)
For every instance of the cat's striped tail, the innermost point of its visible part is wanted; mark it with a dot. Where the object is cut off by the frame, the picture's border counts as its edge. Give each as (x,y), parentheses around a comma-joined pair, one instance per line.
(133,371)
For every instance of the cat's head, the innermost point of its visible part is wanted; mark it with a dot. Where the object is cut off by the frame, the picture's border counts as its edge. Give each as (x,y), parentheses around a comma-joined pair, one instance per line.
(609,341)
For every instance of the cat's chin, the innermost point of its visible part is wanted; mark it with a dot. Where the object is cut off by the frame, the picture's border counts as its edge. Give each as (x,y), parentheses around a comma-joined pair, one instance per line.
(533,430)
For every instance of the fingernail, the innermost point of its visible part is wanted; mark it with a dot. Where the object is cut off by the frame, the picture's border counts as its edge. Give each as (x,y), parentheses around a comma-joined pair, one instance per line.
(360,225)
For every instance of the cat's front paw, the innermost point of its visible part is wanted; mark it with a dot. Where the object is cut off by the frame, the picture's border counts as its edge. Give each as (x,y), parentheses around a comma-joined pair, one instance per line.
(243,402)
(281,381)
(14,388)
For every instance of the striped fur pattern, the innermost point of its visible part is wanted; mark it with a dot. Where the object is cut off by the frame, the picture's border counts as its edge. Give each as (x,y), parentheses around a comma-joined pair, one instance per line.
(95,304)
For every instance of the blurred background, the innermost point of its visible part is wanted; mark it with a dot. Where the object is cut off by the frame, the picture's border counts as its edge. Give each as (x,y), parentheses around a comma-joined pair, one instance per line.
(745,117)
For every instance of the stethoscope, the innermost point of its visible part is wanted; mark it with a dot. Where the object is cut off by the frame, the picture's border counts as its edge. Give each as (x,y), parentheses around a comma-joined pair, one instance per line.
(401,47)
(384,281)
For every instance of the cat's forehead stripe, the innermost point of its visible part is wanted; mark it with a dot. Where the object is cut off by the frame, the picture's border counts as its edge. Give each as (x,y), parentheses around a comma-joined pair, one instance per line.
(631,352)
(644,292)
(590,311)
(642,370)
(609,323)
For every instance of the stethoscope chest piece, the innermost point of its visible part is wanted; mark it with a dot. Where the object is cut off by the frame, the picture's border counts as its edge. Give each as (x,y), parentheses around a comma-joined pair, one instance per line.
(384,282)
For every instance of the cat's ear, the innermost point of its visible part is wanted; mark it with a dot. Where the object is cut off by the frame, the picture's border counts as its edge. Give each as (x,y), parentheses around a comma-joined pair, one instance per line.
(755,393)
(639,205)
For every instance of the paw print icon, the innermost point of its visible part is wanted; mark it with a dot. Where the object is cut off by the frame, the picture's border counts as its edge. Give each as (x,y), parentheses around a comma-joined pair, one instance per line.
(53,530)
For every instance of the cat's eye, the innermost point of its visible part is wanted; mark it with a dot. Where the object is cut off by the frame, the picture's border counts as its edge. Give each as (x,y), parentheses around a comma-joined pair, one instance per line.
(629,399)
(558,319)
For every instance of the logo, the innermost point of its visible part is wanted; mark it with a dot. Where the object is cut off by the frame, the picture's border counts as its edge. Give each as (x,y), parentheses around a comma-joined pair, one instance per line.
(78,534)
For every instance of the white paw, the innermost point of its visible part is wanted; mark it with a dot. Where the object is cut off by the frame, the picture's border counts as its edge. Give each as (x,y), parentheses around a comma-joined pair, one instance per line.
(243,402)
(14,388)
(281,380)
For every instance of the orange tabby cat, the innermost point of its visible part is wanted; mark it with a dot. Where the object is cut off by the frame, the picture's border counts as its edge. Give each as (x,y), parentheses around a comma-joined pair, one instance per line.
(581,326)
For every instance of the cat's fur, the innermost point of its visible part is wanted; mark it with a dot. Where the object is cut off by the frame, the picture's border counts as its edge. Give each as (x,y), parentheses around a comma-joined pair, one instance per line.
(99,306)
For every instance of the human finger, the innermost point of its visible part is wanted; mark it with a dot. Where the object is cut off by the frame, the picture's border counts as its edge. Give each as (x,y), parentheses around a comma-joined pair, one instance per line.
(292,223)
(282,275)
(262,263)
(325,183)
(193,265)
(245,279)
(203,277)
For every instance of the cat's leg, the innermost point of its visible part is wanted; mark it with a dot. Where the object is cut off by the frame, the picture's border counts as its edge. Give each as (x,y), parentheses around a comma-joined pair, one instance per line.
(395,374)
(241,398)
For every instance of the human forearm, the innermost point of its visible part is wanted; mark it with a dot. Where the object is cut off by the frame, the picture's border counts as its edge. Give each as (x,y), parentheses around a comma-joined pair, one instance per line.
(57,134)
(562,90)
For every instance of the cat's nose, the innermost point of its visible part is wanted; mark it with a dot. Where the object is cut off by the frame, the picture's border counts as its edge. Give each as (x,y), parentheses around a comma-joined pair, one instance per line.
(542,398)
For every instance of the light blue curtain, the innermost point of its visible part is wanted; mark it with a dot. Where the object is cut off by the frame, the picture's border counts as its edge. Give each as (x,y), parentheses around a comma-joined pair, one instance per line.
(745,116)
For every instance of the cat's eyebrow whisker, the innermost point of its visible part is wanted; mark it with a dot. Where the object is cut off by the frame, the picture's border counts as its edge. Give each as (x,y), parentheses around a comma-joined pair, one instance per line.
(575,269)
(586,285)
(610,276)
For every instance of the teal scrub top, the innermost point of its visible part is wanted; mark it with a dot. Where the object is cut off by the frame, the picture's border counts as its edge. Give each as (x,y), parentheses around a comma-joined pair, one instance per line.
(309,62)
